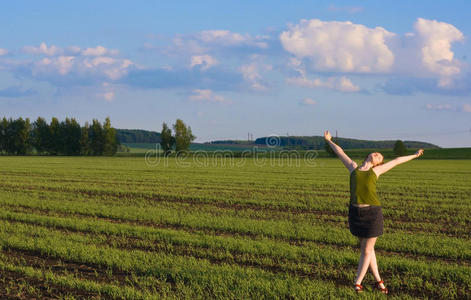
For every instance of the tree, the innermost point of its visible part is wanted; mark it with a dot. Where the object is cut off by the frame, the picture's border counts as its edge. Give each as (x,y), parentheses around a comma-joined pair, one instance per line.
(84,140)
(109,137)
(54,141)
(76,133)
(40,135)
(96,137)
(17,136)
(9,138)
(26,137)
(70,135)
(3,134)
(183,136)
(123,148)
(399,148)
(137,136)
(166,139)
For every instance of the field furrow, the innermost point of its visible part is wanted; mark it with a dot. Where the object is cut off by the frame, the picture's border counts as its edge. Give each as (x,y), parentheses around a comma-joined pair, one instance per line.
(119,228)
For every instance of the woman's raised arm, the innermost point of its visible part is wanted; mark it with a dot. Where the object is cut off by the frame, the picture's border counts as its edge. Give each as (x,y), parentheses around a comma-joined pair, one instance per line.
(350,164)
(397,161)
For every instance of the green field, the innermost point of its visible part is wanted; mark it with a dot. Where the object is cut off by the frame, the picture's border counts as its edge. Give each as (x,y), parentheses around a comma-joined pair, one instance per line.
(144,147)
(139,149)
(118,227)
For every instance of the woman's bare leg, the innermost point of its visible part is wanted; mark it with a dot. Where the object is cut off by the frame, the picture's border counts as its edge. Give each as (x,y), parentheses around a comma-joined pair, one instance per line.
(367,252)
(374,267)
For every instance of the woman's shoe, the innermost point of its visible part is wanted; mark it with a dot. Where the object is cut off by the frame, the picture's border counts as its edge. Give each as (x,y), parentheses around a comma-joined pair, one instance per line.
(383,290)
(358,288)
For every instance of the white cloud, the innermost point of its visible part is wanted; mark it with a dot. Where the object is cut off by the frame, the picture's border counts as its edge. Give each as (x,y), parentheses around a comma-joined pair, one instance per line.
(111,68)
(117,68)
(72,50)
(435,40)
(309,101)
(205,61)
(211,41)
(98,61)
(339,46)
(342,84)
(427,54)
(43,49)
(99,51)
(207,95)
(61,65)
(107,92)
(183,44)
(297,65)
(72,64)
(344,47)
(252,73)
(228,38)
(422,58)
(221,36)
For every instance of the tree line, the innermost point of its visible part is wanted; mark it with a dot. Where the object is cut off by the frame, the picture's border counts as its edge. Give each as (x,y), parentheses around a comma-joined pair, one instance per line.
(181,139)
(21,137)
(137,136)
(317,143)
(399,149)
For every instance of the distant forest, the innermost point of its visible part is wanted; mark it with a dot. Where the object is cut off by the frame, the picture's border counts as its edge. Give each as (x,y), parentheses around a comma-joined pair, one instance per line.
(317,143)
(21,137)
(67,137)
(231,142)
(285,142)
(137,136)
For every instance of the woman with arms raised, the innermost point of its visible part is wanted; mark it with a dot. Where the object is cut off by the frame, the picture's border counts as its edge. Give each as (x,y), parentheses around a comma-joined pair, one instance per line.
(365,217)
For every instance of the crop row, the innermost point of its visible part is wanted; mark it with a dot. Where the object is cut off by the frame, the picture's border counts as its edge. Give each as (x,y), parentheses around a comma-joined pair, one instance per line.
(214,280)
(449,224)
(457,215)
(333,264)
(399,241)
(119,228)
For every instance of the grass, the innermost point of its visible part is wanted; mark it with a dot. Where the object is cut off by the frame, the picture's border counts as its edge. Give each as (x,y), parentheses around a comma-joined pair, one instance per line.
(139,149)
(121,227)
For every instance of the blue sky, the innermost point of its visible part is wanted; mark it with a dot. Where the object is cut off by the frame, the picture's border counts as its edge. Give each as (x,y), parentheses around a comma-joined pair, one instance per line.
(368,69)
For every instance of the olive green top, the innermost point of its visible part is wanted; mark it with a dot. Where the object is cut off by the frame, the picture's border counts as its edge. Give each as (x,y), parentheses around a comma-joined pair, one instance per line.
(363,187)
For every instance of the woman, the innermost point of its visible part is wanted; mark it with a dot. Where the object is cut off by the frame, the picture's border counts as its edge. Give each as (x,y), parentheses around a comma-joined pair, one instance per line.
(365,217)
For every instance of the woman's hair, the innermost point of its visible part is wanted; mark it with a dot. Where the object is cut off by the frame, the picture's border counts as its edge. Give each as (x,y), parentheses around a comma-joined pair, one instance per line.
(382,161)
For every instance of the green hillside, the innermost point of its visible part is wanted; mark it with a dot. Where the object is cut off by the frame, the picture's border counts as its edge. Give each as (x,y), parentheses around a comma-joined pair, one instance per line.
(137,149)
(141,141)
(317,142)
(137,136)
(143,147)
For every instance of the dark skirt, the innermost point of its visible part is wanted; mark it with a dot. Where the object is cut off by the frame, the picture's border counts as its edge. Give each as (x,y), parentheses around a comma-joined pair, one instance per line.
(366,221)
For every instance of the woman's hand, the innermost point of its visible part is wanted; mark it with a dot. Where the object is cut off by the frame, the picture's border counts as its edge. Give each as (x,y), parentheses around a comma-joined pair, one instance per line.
(327,135)
(419,152)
